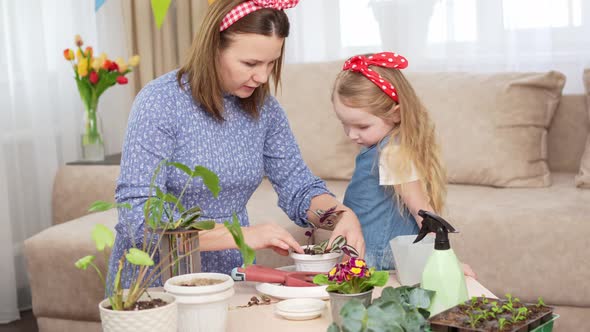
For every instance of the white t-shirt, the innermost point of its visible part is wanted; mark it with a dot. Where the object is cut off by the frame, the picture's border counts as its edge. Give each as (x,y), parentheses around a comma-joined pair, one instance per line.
(387,175)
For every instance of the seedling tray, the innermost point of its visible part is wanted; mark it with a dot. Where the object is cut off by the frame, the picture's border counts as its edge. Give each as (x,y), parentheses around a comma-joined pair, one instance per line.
(457,318)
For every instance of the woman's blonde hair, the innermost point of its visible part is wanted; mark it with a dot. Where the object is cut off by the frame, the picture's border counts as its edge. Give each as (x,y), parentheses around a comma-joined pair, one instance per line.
(201,64)
(415,134)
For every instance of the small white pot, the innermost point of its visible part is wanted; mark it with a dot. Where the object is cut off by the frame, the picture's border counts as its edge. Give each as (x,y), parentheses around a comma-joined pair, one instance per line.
(315,263)
(162,319)
(201,308)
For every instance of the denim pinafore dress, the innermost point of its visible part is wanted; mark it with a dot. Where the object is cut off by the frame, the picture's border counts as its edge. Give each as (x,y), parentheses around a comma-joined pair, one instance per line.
(377,209)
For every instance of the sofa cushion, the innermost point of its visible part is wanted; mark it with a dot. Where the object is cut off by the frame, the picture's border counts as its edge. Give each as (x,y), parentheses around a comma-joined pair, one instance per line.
(583,177)
(527,241)
(305,96)
(492,127)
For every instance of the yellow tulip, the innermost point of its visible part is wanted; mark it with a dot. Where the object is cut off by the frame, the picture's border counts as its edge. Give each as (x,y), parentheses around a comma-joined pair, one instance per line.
(96,64)
(134,61)
(79,55)
(211,1)
(122,65)
(83,67)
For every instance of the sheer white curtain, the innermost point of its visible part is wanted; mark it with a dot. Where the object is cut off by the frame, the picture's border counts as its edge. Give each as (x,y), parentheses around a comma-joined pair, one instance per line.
(40,120)
(449,35)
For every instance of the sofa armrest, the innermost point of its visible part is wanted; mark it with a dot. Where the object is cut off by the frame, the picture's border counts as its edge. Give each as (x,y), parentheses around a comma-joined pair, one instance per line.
(58,288)
(76,186)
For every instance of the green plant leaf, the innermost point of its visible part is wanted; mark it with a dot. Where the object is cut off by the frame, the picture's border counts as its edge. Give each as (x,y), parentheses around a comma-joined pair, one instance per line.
(103,237)
(139,257)
(320,279)
(182,167)
(420,297)
(203,225)
(210,179)
(248,254)
(84,262)
(99,206)
(333,328)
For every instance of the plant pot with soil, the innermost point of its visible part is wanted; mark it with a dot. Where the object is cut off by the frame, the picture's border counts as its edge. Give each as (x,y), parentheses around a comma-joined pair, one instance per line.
(322,257)
(506,315)
(163,212)
(203,300)
(153,311)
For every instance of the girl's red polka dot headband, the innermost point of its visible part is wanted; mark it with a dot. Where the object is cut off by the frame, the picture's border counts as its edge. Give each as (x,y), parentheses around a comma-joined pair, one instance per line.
(361,63)
(248,7)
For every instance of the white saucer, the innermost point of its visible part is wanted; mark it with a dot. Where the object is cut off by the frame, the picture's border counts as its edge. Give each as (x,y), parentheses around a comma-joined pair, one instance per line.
(298,316)
(287,292)
(300,305)
(300,309)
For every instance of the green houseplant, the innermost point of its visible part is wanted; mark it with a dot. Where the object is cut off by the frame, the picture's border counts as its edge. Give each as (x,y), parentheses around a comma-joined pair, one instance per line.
(402,309)
(162,212)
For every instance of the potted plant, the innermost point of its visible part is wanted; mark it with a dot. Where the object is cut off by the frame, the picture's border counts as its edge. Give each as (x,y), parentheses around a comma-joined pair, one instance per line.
(124,310)
(350,280)
(203,298)
(400,309)
(323,256)
(483,314)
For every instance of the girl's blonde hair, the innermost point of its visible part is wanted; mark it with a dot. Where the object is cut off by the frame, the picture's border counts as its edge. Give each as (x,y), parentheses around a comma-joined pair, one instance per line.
(201,64)
(415,134)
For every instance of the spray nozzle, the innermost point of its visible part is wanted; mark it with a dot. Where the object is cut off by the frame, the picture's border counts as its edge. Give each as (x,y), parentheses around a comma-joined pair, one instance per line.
(435,223)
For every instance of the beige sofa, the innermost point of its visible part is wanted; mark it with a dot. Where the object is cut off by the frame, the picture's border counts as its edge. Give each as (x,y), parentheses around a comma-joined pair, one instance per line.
(527,241)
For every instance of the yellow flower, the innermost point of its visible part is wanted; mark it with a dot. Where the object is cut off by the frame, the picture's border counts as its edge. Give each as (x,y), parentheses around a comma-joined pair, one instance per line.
(359,263)
(79,55)
(83,67)
(96,64)
(332,272)
(356,270)
(122,65)
(134,61)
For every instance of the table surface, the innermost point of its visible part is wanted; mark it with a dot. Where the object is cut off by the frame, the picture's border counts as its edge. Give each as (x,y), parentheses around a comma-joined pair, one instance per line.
(262,317)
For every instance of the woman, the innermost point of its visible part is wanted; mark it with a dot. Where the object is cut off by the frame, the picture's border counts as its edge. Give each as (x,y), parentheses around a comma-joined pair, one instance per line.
(217,111)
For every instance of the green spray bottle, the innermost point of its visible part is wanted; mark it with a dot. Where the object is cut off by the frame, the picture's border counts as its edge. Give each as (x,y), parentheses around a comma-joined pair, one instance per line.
(443,272)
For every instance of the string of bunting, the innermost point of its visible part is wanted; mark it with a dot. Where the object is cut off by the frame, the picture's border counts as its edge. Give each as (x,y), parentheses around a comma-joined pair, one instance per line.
(159,9)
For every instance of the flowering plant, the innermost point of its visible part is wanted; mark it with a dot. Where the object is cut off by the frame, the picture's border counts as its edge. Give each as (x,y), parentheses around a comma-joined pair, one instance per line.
(352,277)
(94,75)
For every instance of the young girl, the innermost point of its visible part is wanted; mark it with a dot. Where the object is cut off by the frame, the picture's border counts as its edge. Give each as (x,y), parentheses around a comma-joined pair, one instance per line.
(399,169)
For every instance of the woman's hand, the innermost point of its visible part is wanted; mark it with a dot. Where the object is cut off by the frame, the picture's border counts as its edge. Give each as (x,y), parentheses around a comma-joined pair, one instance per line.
(272,236)
(350,227)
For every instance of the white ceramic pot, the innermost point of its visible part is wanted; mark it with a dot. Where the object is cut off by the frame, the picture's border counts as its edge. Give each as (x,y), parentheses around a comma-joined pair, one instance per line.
(201,308)
(164,319)
(315,263)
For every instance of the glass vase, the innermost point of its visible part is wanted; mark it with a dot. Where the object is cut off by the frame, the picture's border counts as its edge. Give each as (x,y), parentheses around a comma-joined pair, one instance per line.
(92,143)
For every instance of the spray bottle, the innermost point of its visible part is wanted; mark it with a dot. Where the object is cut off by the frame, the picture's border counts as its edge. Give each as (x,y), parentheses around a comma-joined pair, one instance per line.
(443,272)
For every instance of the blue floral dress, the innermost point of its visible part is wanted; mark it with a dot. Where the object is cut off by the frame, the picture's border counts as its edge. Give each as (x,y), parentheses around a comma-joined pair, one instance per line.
(166,123)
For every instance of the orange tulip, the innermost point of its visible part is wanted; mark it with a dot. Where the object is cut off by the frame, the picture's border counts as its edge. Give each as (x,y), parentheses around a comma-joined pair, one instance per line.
(68,54)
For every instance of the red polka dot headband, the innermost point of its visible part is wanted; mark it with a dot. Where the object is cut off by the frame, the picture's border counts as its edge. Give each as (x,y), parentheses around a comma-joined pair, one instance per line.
(361,63)
(248,7)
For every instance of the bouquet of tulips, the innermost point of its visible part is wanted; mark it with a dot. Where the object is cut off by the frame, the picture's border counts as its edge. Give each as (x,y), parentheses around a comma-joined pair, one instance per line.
(352,277)
(94,75)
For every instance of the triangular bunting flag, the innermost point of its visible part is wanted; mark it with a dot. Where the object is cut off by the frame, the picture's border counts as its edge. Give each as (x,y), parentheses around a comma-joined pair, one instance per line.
(98,4)
(159,8)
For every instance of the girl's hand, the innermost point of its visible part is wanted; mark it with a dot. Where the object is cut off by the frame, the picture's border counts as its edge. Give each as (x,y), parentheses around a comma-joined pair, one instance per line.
(349,227)
(468,271)
(271,236)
